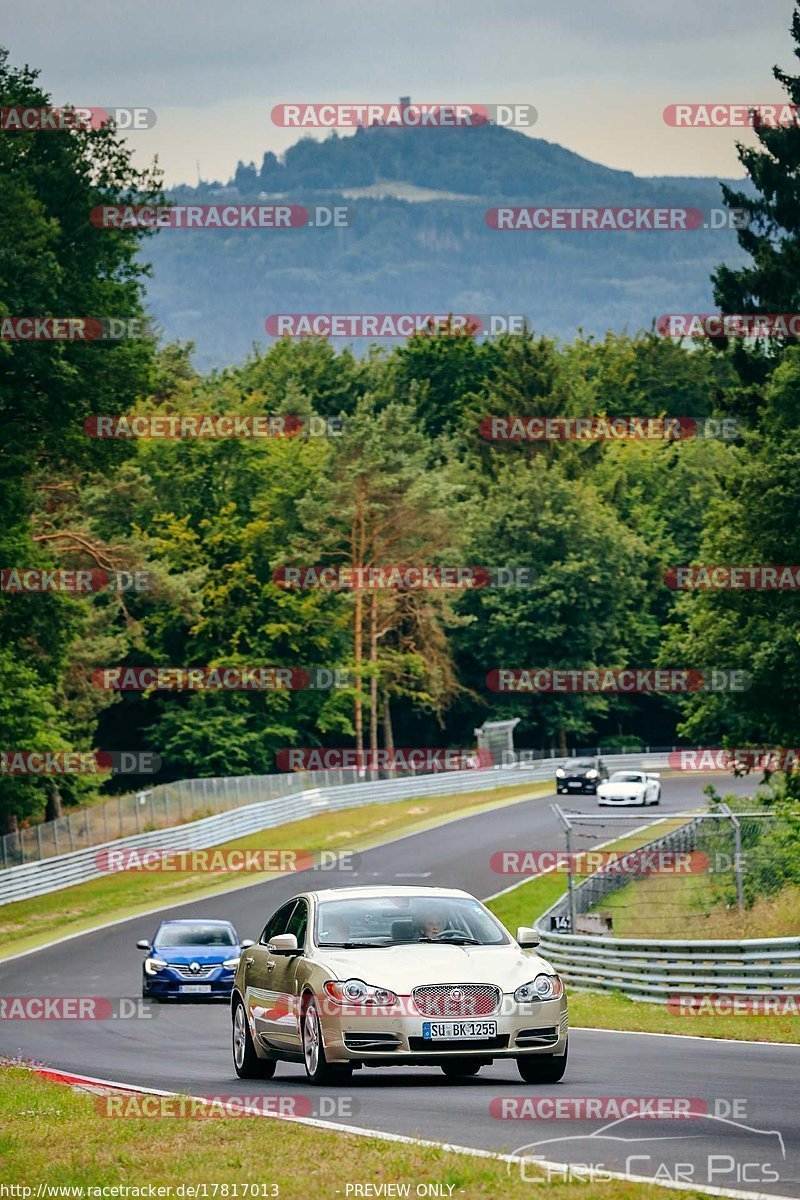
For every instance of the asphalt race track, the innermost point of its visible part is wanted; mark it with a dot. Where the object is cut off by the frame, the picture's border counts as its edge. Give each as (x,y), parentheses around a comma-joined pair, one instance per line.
(187,1048)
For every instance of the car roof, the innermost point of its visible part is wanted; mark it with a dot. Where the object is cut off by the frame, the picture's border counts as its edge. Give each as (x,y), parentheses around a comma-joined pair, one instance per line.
(381,893)
(195,921)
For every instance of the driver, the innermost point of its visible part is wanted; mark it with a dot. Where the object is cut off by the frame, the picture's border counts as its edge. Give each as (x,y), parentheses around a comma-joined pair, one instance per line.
(431,926)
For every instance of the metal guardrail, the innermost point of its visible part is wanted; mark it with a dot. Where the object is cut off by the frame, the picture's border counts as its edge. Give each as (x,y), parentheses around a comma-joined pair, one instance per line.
(163,805)
(51,874)
(653,969)
(660,969)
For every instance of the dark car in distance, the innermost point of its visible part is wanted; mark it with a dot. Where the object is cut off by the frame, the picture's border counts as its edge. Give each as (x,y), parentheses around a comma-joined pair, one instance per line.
(580,775)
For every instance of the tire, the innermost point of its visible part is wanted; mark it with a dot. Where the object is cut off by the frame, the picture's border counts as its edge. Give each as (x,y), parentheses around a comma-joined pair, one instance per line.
(246,1062)
(658,797)
(542,1068)
(461,1069)
(318,1070)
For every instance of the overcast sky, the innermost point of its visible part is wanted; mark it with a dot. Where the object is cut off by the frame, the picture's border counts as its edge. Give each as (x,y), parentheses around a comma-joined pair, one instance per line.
(599,72)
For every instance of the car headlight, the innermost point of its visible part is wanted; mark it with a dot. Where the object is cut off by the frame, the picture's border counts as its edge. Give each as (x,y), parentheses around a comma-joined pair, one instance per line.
(543,987)
(153,965)
(355,991)
(591,774)
(560,773)
(231,963)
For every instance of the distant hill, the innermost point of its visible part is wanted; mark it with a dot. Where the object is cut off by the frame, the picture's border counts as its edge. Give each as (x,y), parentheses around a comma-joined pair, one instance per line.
(420,243)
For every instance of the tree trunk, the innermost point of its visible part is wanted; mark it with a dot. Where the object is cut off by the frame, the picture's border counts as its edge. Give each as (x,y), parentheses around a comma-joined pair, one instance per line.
(562,742)
(54,808)
(358,652)
(11,823)
(388,732)
(357,559)
(373,683)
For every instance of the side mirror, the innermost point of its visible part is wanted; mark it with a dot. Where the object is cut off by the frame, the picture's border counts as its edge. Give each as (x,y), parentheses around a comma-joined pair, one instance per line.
(247,942)
(143,945)
(284,943)
(528,937)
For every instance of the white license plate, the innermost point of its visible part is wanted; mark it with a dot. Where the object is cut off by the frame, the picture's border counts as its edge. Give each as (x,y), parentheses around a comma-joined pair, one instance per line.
(574,783)
(458,1030)
(195,987)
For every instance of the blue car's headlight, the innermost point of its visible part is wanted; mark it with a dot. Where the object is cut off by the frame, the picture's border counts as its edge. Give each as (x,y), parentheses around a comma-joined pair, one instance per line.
(231,963)
(153,965)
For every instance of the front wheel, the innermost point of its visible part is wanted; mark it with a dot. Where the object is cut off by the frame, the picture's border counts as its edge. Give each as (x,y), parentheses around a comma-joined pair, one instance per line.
(542,1068)
(318,1069)
(465,1066)
(245,1060)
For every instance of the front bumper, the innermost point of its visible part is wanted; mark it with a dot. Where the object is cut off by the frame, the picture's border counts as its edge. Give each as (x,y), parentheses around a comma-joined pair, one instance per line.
(622,801)
(170,985)
(537,1027)
(576,787)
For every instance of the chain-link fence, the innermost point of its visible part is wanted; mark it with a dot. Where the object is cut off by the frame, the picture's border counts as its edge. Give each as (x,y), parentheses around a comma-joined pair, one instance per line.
(724,873)
(160,807)
(166,805)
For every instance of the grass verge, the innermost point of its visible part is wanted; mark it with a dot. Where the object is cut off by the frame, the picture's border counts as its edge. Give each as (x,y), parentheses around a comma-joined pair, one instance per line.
(614,1011)
(25,924)
(54,1136)
(686,906)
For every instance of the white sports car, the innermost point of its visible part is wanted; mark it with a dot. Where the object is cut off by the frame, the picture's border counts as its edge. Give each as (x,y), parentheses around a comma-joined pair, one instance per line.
(392,976)
(630,787)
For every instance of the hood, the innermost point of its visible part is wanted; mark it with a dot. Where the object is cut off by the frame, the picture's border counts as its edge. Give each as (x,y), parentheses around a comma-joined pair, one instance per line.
(201,954)
(620,789)
(402,968)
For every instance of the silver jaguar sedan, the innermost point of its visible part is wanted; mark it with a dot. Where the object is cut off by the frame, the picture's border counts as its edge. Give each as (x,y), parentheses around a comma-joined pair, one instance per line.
(391,976)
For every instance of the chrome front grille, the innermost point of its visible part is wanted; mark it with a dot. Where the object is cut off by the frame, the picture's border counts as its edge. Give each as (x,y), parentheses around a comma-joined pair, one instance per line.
(456,999)
(183,970)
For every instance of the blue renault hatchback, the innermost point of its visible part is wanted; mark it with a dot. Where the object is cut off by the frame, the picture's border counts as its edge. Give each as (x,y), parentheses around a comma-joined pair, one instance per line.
(191,958)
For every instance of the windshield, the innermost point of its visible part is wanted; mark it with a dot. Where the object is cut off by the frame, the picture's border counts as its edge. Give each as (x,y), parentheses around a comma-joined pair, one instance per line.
(195,935)
(581,764)
(405,920)
(626,777)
